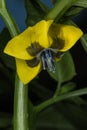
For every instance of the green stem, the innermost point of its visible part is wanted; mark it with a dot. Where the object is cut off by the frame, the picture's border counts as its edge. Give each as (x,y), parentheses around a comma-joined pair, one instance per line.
(21,91)
(60,7)
(51,101)
(57,89)
(8,19)
(20,106)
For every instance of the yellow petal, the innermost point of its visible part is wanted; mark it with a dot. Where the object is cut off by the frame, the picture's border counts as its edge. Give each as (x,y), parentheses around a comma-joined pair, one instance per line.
(37,33)
(26,73)
(17,46)
(69,35)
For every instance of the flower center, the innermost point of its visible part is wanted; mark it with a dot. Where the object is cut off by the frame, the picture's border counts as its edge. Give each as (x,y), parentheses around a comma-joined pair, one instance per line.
(46,56)
(47,60)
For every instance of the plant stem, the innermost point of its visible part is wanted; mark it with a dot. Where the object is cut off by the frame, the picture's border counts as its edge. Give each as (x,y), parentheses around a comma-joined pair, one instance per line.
(8,19)
(20,106)
(21,91)
(60,7)
(59,98)
(57,89)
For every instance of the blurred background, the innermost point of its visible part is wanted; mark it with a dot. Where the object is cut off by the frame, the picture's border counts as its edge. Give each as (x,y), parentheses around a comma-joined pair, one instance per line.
(18,11)
(67,115)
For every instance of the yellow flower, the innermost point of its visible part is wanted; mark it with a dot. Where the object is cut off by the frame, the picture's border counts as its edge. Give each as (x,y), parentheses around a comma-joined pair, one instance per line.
(38,46)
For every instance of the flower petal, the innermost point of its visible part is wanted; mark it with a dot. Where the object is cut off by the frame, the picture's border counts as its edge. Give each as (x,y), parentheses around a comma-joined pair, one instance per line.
(67,35)
(26,73)
(70,35)
(37,33)
(17,46)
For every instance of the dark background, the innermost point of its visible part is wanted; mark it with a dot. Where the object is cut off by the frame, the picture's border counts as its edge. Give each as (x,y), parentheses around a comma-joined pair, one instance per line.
(18,11)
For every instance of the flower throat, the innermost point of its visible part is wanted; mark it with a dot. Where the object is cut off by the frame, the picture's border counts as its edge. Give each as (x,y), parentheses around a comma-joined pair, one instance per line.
(47,60)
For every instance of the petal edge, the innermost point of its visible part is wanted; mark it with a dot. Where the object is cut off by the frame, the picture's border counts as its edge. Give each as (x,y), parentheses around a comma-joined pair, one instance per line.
(26,73)
(70,35)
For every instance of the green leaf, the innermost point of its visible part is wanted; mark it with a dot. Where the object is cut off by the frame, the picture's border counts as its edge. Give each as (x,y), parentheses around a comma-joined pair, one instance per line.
(65,69)
(74,11)
(81,3)
(59,9)
(68,87)
(75,114)
(36,11)
(63,116)
(77,100)
(44,7)
(52,119)
(84,41)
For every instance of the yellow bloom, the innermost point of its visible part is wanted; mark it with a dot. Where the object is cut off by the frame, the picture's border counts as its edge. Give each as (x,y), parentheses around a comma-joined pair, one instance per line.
(37,46)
